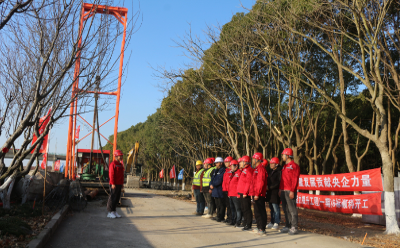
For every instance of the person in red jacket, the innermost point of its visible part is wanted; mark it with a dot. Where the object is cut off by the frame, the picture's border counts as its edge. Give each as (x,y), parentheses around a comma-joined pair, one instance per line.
(225,187)
(116,176)
(232,193)
(258,189)
(243,192)
(288,191)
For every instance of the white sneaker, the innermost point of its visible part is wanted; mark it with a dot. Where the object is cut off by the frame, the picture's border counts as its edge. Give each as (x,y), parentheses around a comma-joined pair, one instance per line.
(276,226)
(111,215)
(270,225)
(117,215)
(208,216)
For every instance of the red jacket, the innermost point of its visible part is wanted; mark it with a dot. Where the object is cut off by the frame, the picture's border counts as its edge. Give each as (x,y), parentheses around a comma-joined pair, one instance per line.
(258,186)
(290,177)
(233,183)
(245,180)
(116,173)
(226,179)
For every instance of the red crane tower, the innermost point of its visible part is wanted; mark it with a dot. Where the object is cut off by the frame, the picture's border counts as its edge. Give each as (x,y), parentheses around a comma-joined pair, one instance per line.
(89,10)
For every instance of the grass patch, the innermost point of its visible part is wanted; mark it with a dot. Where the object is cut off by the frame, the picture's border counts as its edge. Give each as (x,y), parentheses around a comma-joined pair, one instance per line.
(25,210)
(14,226)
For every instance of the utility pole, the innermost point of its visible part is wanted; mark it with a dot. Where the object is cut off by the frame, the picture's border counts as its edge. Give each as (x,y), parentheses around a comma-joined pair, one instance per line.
(94,119)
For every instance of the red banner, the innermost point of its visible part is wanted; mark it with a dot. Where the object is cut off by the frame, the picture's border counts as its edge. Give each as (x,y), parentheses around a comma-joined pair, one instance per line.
(162,173)
(42,124)
(77,132)
(348,204)
(367,180)
(172,173)
(43,164)
(57,165)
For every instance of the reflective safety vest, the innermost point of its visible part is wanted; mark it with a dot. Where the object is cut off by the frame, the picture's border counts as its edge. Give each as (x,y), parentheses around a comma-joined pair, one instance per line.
(196,179)
(207,177)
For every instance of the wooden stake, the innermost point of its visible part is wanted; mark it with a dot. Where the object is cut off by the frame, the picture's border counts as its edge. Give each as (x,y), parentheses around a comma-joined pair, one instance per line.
(364,238)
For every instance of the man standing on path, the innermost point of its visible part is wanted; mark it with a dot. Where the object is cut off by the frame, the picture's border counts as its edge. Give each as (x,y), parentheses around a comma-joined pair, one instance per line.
(274,179)
(243,191)
(225,188)
(258,188)
(197,188)
(232,193)
(208,163)
(116,175)
(216,187)
(288,191)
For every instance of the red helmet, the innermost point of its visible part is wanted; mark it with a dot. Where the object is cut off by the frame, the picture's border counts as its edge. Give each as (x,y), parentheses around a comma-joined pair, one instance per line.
(239,160)
(288,151)
(234,162)
(274,160)
(208,161)
(246,159)
(258,156)
(265,162)
(228,159)
(118,153)
(213,160)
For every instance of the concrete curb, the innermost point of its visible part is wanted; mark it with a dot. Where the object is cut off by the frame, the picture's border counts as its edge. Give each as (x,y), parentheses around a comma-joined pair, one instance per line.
(44,236)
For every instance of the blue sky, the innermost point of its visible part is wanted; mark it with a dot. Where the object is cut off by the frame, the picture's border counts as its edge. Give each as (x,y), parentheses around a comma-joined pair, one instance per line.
(151,46)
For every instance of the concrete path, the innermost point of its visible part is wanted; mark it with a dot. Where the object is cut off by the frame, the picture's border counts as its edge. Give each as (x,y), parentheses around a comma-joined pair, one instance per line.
(155,221)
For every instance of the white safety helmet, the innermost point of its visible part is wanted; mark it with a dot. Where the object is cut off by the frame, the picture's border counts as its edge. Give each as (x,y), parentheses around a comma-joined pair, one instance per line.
(219,160)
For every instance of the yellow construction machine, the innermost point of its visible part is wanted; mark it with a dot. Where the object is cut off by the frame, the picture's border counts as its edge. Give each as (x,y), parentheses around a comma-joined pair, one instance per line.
(132,170)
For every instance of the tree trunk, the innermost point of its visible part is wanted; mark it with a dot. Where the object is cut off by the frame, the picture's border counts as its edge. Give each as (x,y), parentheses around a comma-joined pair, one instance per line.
(6,194)
(25,187)
(388,187)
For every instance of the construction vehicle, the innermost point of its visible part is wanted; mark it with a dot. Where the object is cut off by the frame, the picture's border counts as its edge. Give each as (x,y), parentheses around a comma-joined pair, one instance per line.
(133,169)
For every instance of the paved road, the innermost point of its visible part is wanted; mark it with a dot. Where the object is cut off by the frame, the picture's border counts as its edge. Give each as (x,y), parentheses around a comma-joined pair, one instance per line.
(155,221)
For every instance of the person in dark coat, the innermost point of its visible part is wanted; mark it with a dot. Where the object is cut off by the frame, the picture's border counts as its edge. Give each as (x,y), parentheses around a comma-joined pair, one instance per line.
(216,186)
(272,197)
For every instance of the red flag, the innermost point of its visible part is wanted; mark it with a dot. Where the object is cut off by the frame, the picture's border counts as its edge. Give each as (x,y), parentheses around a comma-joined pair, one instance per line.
(172,173)
(57,165)
(43,164)
(362,204)
(162,173)
(42,124)
(366,180)
(77,132)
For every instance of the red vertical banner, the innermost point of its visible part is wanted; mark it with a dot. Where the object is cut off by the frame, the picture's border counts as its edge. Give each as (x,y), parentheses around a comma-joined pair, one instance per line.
(57,165)
(162,173)
(172,173)
(42,124)
(77,132)
(44,161)
(348,204)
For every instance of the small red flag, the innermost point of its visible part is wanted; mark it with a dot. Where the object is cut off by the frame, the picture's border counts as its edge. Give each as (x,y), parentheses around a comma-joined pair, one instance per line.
(172,173)
(162,173)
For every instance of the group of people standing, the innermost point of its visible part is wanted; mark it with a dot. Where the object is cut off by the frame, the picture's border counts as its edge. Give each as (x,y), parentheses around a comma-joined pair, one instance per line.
(229,187)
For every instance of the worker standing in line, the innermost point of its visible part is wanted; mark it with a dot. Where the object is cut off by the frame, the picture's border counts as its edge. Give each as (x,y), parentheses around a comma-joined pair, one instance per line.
(116,175)
(258,189)
(206,187)
(225,188)
(288,191)
(274,179)
(243,191)
(197,188)
(216,187)
(232,193)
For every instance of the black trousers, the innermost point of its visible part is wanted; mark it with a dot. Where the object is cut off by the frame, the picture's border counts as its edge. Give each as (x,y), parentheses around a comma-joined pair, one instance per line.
(228,207)
(113,198)
(220,202)
(246,210)
(260,213)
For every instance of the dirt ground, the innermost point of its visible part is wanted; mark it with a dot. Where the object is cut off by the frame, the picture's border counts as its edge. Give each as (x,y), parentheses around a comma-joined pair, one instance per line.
(31,219)
(342,226)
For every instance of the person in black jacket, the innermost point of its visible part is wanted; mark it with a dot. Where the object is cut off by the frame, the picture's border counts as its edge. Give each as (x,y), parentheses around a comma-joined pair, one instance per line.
(272,197)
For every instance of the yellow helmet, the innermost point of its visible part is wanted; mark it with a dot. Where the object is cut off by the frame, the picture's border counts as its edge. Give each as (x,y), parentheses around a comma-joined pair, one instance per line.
(198,162)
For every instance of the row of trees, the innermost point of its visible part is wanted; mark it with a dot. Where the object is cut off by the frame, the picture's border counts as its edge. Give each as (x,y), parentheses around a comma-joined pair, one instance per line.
(319,76)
